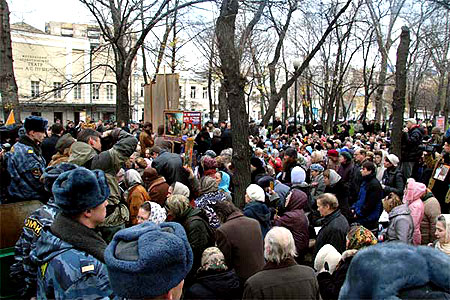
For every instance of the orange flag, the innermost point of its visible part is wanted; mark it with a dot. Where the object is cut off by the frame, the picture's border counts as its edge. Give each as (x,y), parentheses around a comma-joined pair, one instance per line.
(11,120)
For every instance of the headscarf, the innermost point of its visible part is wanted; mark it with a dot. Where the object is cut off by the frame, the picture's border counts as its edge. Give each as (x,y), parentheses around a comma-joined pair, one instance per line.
(334,177)
(298,175)
(445,247)
(180,189)
(208,185)
(359,237)
(275,153)
(132,178)
(213,259)
(177,205)
(157,214)
(224,182)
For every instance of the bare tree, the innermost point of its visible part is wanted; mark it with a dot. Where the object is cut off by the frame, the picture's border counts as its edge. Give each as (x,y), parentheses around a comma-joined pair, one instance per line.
(8,85)
(118,22)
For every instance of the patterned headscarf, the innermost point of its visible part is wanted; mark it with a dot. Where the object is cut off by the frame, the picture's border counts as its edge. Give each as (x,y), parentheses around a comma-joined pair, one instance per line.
(445,247)
(359,237)
(213,259)
(157,214)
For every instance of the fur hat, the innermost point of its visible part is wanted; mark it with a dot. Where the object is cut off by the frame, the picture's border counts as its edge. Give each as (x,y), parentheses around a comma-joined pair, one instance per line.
(393,159)
(327,254)
(52,173)
(298,175)
(255,193)
(80,189)
(384,271)
(35,123)
(148,260)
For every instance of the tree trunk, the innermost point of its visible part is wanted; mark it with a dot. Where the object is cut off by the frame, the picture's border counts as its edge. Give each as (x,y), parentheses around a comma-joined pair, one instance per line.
(234,85)
(398,103)
(447,101)
(8,85)
(223,107)
(438,106)
(123,101)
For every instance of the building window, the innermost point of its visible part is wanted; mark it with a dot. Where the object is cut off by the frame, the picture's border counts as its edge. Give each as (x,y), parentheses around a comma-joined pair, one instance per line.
(57,90)
(142,90)
(77,91)
(95,91)
(181,94)
(36,113)
(193,92)
(109,92)
(205,92)
(34,88)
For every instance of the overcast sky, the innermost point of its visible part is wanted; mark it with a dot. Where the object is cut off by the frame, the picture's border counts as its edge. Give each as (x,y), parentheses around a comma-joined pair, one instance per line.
(37,12)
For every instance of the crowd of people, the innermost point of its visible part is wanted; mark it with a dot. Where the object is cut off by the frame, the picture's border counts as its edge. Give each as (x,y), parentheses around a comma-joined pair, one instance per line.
(123,216)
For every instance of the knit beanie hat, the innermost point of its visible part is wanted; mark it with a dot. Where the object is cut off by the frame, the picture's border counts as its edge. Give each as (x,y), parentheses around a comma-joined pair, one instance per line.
(393,159)
(327,254)
(346,155)
(53,172)
(148,260)
(64,142)
(80,189)
(298,175)
(256,162)
(209,163)
(332,153)
(35,123)
(316,167)
(211,153)
(255,193)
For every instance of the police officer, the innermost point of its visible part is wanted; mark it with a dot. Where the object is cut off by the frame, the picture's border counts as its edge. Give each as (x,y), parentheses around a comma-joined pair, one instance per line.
(70,255)
(25,163)
(24,270)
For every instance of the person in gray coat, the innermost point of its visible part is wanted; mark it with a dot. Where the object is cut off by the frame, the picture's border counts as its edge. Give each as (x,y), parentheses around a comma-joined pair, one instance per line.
(401,226)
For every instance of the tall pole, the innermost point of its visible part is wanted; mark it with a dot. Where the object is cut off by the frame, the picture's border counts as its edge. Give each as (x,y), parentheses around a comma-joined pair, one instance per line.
(295,100)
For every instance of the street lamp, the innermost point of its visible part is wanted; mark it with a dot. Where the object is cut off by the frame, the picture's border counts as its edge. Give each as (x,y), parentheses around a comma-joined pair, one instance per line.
(296,64)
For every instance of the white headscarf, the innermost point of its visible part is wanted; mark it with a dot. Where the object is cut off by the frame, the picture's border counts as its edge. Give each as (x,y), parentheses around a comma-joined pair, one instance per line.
(445,247)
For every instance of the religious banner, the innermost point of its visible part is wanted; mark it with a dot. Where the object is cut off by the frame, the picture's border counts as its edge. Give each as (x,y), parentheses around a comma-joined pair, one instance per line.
(173,123)
(192,123)
(440,123)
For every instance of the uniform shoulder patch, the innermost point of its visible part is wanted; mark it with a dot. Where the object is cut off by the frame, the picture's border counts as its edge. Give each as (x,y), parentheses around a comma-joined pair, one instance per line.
(87,268)
(34,225)
(30,151)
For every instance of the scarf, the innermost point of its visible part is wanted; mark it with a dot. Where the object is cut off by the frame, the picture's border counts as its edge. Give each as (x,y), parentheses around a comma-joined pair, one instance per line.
(208,185)
(79,236)
(445,247)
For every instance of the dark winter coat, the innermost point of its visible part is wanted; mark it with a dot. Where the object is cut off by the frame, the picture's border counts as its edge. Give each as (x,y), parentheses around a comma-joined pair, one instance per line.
(393,181)
(285,280)
(203,142)
(368,208)
(49,147)
(341,193)
(261,213)
(334,232)
(401,226)
(240,241)
(195,223)
(215,285)
(295,220)
(170,166)
(411,141)
(330,284)
(217,145)
(351,177)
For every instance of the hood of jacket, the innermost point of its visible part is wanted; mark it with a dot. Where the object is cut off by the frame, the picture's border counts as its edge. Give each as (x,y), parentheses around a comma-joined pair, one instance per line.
(414,190)
(48,246)
(298,200)
(81,153)
(402,209)
(257,210)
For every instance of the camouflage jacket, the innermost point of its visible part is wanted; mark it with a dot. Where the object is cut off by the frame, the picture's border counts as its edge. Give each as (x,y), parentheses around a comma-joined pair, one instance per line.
(67,273)
(25,165)
(24,270)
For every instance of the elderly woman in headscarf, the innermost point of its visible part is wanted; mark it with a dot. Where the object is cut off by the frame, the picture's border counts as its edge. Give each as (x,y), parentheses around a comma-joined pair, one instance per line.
(330,284)
(275,161)
(443,233)
(317,183)
(413,193)
(151,211)
(156,186)
(223,180)
(335,185)
(136,194)
(209,196)
(214,280)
